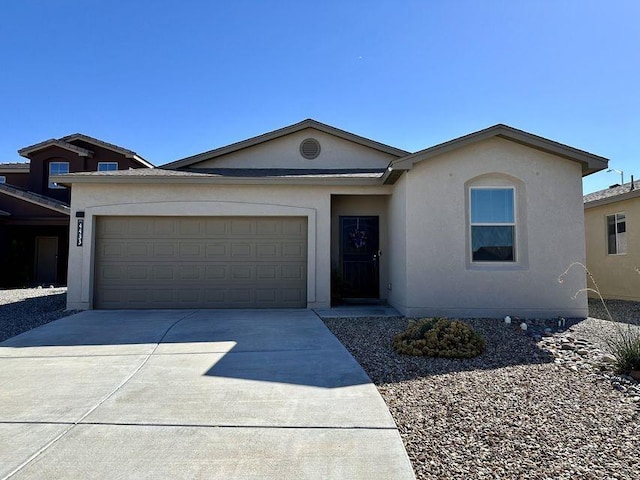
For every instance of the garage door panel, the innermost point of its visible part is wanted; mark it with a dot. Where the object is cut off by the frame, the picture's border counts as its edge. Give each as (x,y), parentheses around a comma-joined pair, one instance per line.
(216,227)
(200,262)
(293,250)
(241,250)
(163,249)
(216,272)
(163,272)
(243,227)
(216,250)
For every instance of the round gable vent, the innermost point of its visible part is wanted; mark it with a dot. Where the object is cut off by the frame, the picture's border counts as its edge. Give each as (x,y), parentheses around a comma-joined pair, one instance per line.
(310,148)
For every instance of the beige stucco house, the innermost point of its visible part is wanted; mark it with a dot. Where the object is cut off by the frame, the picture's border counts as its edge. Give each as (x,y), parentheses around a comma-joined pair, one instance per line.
(309,214)
(612,227)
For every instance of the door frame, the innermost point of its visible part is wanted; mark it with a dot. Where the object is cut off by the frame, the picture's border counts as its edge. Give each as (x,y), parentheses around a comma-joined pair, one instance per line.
(376,291)
(37,258)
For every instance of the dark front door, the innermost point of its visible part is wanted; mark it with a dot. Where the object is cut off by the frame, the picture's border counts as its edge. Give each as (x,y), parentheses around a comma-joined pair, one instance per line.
(46,260)
(359,255)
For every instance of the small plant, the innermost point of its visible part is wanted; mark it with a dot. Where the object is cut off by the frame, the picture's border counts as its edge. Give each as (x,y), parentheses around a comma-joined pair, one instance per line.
(625,344)
(439,337)
(625,347)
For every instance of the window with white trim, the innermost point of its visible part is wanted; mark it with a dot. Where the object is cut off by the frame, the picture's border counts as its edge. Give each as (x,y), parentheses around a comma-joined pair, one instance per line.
(493,224)
(3,179)
(616,234)
(57,168)
(107,166)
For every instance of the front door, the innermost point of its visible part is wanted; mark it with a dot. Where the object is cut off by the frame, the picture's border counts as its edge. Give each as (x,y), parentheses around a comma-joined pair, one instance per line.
(46,260)
(359,257)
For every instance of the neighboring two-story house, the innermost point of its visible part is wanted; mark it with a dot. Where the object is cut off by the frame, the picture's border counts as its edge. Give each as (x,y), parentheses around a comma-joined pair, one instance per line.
(34,211)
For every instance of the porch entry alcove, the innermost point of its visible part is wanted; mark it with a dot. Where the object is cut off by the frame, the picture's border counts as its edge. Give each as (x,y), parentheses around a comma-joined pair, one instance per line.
(359,271)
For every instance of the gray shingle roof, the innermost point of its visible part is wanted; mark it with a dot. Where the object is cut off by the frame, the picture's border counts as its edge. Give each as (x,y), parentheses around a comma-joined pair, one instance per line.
(55,142)
(290,172)
(67,143)
(611,192)
(35,198)
(86,138)
(237,173)
(12,165)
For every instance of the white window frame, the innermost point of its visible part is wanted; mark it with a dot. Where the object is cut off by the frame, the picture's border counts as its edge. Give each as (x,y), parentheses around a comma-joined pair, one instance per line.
(513,224)
(606,227)
(53,185)
(3,179)
(108,169)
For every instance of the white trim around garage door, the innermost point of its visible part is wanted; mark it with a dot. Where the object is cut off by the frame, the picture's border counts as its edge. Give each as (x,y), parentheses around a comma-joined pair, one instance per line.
(199,209)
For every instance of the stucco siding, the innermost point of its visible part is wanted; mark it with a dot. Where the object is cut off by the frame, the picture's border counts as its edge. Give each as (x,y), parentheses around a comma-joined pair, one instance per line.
(284,152)
(207,200)
(442,280)
(616,275)
(397,260)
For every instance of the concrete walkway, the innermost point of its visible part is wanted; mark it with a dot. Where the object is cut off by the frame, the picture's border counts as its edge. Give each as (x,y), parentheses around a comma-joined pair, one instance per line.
(191,394)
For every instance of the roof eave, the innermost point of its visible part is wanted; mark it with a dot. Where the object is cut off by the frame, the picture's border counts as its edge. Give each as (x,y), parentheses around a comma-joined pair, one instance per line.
(13,170)
(53,142)
(142,161)
(590,163)
(281,132)
(614,199)
(69,180)
(34,200)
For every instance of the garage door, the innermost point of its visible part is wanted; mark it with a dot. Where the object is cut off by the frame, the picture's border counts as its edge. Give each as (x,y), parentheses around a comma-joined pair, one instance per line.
(200,262)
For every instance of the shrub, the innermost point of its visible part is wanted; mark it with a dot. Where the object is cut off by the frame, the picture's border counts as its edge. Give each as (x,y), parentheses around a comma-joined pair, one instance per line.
(625,344)
(625,347)
(439,337)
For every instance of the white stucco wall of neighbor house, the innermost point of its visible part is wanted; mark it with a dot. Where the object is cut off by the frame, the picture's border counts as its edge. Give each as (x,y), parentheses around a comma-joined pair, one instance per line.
(174,199)
(284,152)
(442,279)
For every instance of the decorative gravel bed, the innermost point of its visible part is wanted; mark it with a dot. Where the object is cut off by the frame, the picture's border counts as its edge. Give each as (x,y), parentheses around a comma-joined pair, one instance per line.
(527,408)
(516,411)
(27,308)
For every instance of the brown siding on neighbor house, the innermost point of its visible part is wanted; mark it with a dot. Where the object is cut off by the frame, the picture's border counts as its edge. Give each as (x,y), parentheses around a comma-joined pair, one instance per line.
(17,179)
(18,259)
(105,155)
(40,160)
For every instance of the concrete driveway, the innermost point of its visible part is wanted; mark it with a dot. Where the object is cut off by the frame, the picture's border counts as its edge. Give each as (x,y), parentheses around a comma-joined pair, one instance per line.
(191,394)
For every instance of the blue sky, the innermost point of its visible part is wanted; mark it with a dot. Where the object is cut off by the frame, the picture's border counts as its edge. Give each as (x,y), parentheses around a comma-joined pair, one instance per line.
(173,78)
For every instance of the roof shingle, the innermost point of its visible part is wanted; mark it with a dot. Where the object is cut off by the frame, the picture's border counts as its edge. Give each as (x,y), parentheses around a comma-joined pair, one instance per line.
(611,192)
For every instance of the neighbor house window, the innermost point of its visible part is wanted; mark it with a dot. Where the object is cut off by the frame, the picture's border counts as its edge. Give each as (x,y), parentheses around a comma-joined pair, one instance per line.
(107,166)
(616,234)
(493,226)
(3,179)
(57,168)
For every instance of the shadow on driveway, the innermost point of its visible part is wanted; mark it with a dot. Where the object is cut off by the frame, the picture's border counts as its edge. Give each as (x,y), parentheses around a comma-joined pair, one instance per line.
(282,346)
(28,313)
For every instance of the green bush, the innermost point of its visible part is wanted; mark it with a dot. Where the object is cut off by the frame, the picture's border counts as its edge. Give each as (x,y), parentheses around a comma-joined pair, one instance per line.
(439,337)
(625,347)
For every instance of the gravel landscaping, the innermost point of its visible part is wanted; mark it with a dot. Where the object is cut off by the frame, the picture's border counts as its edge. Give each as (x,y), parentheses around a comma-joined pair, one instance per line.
(527,408)
(27,308)
(530,407)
